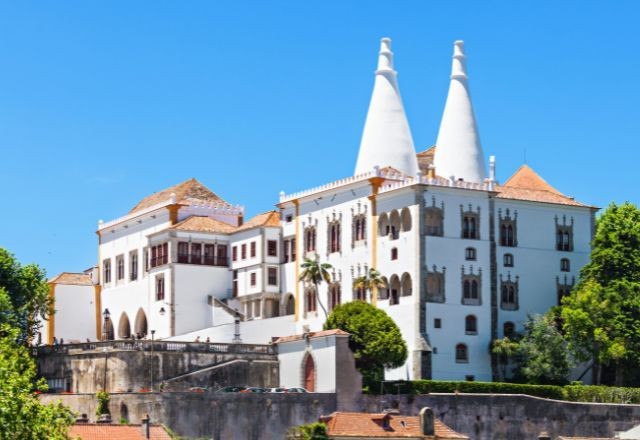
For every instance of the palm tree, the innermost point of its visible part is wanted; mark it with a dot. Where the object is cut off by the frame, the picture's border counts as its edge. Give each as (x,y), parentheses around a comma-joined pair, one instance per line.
(370,281)
(314,272)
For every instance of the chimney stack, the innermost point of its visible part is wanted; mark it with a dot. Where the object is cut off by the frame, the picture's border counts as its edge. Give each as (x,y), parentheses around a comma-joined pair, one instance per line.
(426,421)
(146,426)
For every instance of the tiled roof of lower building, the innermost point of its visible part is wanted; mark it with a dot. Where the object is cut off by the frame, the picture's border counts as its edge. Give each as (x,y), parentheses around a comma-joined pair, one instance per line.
(366,425)
(188,192)
(72,279)
(269,218)
(93,431)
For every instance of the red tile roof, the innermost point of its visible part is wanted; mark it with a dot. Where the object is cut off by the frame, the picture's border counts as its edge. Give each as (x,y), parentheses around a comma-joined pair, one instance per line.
(72,279)
(270,218)
(365,425)
(93,431)
(320,334)
(188,192)
(203,224)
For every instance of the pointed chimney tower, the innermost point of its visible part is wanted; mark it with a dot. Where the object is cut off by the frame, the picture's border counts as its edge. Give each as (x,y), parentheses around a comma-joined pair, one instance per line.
(386,139)
(458,150)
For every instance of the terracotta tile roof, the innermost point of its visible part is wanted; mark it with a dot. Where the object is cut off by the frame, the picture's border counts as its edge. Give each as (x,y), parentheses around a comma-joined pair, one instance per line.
(364,425)
(526,184)
(92,431)
(72,279)
(188,192)
(425,159)
(203,224)
(320,334)
(270,218)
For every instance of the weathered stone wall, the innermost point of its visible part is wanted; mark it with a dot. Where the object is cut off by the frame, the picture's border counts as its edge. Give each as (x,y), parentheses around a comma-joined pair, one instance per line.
(508,417)
(120,370)
(236,416)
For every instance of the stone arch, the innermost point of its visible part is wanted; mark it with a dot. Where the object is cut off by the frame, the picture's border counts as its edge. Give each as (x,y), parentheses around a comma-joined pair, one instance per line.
(289,304)
(140,327)
(383,224)
(406,284)
(405,216)
(309,372)
(395,288)
(395,224)
(124,328)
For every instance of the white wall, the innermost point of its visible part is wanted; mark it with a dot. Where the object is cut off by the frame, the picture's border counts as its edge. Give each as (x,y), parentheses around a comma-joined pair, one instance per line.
(292,356)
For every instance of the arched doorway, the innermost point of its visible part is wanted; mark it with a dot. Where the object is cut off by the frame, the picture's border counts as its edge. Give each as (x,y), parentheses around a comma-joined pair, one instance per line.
(124,328)
(141,324)
(290,307)
(310,374)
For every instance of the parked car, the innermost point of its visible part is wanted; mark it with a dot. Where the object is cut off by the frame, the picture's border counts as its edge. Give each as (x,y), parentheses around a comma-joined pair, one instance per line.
(277,390)
(254,390)
(296,390)
(232,389)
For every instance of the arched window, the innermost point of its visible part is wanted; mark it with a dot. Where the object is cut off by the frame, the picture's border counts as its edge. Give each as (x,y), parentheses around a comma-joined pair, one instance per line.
(509,294)
(471,294)
(471,325)
(309,374)
(334,296)
(310,302)
(290,307)
(359,227)
(310,239)
(383,224)
(565,265)
(435,286)
(334,242)
(462,355)
(395,223)
(383,292)
(508,228)
(470,254)
(474,289)
(406,219)
(509,329)
(508,260)
(124,328)
(359,293)
(470,224)
(140,326)
(406,284)
(394,290)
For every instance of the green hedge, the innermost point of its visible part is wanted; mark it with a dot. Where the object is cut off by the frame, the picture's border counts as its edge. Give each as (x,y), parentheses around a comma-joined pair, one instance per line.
(573,393)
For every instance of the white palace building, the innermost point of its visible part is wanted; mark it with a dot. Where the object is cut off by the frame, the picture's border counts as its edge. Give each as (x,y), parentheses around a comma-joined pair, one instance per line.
(465,258)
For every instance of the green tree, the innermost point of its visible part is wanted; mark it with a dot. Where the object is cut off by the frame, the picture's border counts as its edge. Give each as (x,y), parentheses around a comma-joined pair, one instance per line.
(371,282)
(22,416)
(314,272)
(600,316)
(375,340)
(541,356)
(24,295)
(505,350)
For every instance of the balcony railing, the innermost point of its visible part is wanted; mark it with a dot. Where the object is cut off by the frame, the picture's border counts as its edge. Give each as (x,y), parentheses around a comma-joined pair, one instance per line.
(205,260)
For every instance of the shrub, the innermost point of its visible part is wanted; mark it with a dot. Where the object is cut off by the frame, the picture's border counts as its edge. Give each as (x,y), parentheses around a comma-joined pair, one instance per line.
(602,394)
(103,403)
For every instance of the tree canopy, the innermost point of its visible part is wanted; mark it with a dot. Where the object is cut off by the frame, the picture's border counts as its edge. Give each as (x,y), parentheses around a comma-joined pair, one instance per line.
(314,272)
(601,316)
(376,340)
(24,294)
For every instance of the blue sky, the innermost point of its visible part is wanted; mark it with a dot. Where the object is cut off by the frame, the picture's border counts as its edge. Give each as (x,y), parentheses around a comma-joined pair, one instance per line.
(103,103)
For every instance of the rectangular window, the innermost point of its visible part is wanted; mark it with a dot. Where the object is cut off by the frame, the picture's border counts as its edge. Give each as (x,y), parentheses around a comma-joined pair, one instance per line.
(285,250)
(234,253)
(209,257)
(159,254)
(160,288)
(253,249)
(183,252)
(272,248)
(394,253)
(289,218)
(272,276)
(196,253)
(252,278)
(221,256)
(133,265)
(106,269)
(437,323)
(293,249)
(235,283)
(243,252)
(120,267)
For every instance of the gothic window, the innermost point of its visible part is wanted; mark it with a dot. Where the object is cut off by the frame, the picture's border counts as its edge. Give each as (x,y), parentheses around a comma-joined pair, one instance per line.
(106,271)
(462,354)
(471,325)
(133,265)
(333,241)
(565,265)
(395,288)
(470,223)
(508,260)
(405,216)
(434,221)
(334,295)
(406,285)
(310,300)
(508,229)
(435,286)
(120,267)
(508,329)
(310,239)
(509,293)
(470,254)
(564,235)
(471,289)
(394,253)
(395,224)
(359,227)
(159,287)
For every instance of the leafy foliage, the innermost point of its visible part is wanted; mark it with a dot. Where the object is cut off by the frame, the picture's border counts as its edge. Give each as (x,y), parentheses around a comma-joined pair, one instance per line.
(505,350)
(24,294)
(314,272)
(375,340)
(22,416)
(311,431)
(601,315)
(103,403)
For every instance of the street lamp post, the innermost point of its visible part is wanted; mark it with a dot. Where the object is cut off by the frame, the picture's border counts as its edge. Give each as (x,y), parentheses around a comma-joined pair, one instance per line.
(153,332)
